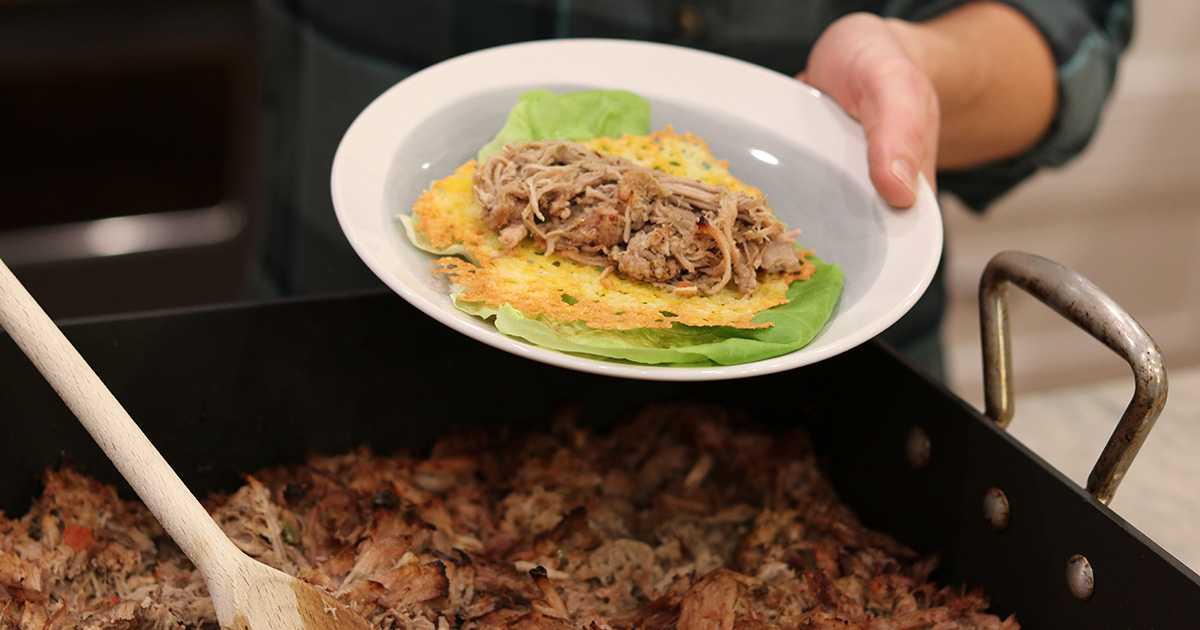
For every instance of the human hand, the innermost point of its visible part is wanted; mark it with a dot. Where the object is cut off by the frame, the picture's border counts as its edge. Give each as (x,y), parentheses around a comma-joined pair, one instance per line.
(972,86)
(861,64)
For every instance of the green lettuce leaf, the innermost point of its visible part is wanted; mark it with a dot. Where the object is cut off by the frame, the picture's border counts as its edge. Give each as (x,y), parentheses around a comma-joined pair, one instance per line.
(575,116)
(795,325)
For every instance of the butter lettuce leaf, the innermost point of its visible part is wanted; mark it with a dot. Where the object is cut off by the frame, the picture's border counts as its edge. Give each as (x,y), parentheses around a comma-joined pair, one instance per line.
(795,325)
(544,115)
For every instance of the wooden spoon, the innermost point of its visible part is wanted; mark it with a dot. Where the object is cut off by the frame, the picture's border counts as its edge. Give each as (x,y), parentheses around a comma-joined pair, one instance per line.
(247,594)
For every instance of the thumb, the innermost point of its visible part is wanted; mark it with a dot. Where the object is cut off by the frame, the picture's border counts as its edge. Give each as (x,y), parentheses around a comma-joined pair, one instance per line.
(899,114)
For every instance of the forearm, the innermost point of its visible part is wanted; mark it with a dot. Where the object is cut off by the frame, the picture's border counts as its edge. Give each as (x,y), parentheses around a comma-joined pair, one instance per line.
(994,75)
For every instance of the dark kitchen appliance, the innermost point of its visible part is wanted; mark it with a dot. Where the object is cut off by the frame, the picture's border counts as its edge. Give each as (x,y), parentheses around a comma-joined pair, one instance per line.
(229,390)
(130,169)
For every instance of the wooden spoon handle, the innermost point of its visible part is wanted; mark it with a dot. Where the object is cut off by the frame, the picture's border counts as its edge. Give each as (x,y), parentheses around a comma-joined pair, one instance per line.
(102,415)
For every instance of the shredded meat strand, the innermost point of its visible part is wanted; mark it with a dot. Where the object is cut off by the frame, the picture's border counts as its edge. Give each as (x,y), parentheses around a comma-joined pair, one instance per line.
(606,211)
(682,518)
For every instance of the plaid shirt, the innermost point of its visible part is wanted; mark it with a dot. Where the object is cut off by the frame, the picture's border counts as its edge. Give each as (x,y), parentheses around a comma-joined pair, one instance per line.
(1086,36)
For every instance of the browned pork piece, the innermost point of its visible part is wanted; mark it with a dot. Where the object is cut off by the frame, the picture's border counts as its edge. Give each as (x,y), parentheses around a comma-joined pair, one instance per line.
(607,211)
(680,519)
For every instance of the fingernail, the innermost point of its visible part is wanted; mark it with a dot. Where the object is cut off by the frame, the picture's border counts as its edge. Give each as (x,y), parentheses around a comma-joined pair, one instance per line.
(906,174)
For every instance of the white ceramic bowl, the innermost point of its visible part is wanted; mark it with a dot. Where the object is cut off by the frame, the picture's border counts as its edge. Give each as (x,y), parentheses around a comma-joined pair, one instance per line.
(778,134)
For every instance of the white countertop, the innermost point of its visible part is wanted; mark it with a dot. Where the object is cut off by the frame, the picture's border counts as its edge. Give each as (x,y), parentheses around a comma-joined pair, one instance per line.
(1160,494)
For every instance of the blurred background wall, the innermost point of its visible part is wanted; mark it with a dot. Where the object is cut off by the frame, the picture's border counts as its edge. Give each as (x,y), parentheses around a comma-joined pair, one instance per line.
(128,175)
(1126,215)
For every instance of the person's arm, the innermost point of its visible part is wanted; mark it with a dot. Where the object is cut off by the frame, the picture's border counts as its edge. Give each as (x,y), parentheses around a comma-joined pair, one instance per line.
(971,86)
(995,79)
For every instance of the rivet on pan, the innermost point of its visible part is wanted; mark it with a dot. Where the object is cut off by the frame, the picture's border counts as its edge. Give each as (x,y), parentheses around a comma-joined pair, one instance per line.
(917,448)
(1079,577)
(995,509)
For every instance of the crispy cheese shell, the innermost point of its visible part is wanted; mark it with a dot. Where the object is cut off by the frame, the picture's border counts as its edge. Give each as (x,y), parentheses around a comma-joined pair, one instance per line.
(563,290)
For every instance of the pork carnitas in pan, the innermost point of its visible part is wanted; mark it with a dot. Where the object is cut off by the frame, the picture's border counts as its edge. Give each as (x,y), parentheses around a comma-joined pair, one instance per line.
(680,518)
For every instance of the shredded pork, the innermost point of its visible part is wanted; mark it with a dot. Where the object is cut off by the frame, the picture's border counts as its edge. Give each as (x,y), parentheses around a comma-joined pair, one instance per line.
(676,519)
(607,211)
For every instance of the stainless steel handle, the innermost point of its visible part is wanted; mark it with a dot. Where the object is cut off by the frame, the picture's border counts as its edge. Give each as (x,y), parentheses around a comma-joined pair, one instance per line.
(1080,301)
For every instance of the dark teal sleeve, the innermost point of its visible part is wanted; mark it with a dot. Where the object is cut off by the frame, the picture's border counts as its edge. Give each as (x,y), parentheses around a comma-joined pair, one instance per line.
(1087,38)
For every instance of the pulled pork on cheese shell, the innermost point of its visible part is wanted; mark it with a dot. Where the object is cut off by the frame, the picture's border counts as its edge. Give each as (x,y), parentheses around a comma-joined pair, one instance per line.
(607,211)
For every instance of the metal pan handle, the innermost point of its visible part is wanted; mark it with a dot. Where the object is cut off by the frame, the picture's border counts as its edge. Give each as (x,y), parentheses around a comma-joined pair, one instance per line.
(1080,301)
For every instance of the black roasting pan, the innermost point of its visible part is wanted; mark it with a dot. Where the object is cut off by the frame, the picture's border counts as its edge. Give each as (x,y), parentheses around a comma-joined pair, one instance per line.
(230,390)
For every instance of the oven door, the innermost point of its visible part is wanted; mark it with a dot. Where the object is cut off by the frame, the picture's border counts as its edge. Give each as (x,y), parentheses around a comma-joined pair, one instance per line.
(129,144)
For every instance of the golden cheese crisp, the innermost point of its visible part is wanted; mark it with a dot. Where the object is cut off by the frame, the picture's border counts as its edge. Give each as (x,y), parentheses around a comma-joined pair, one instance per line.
(447,217)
